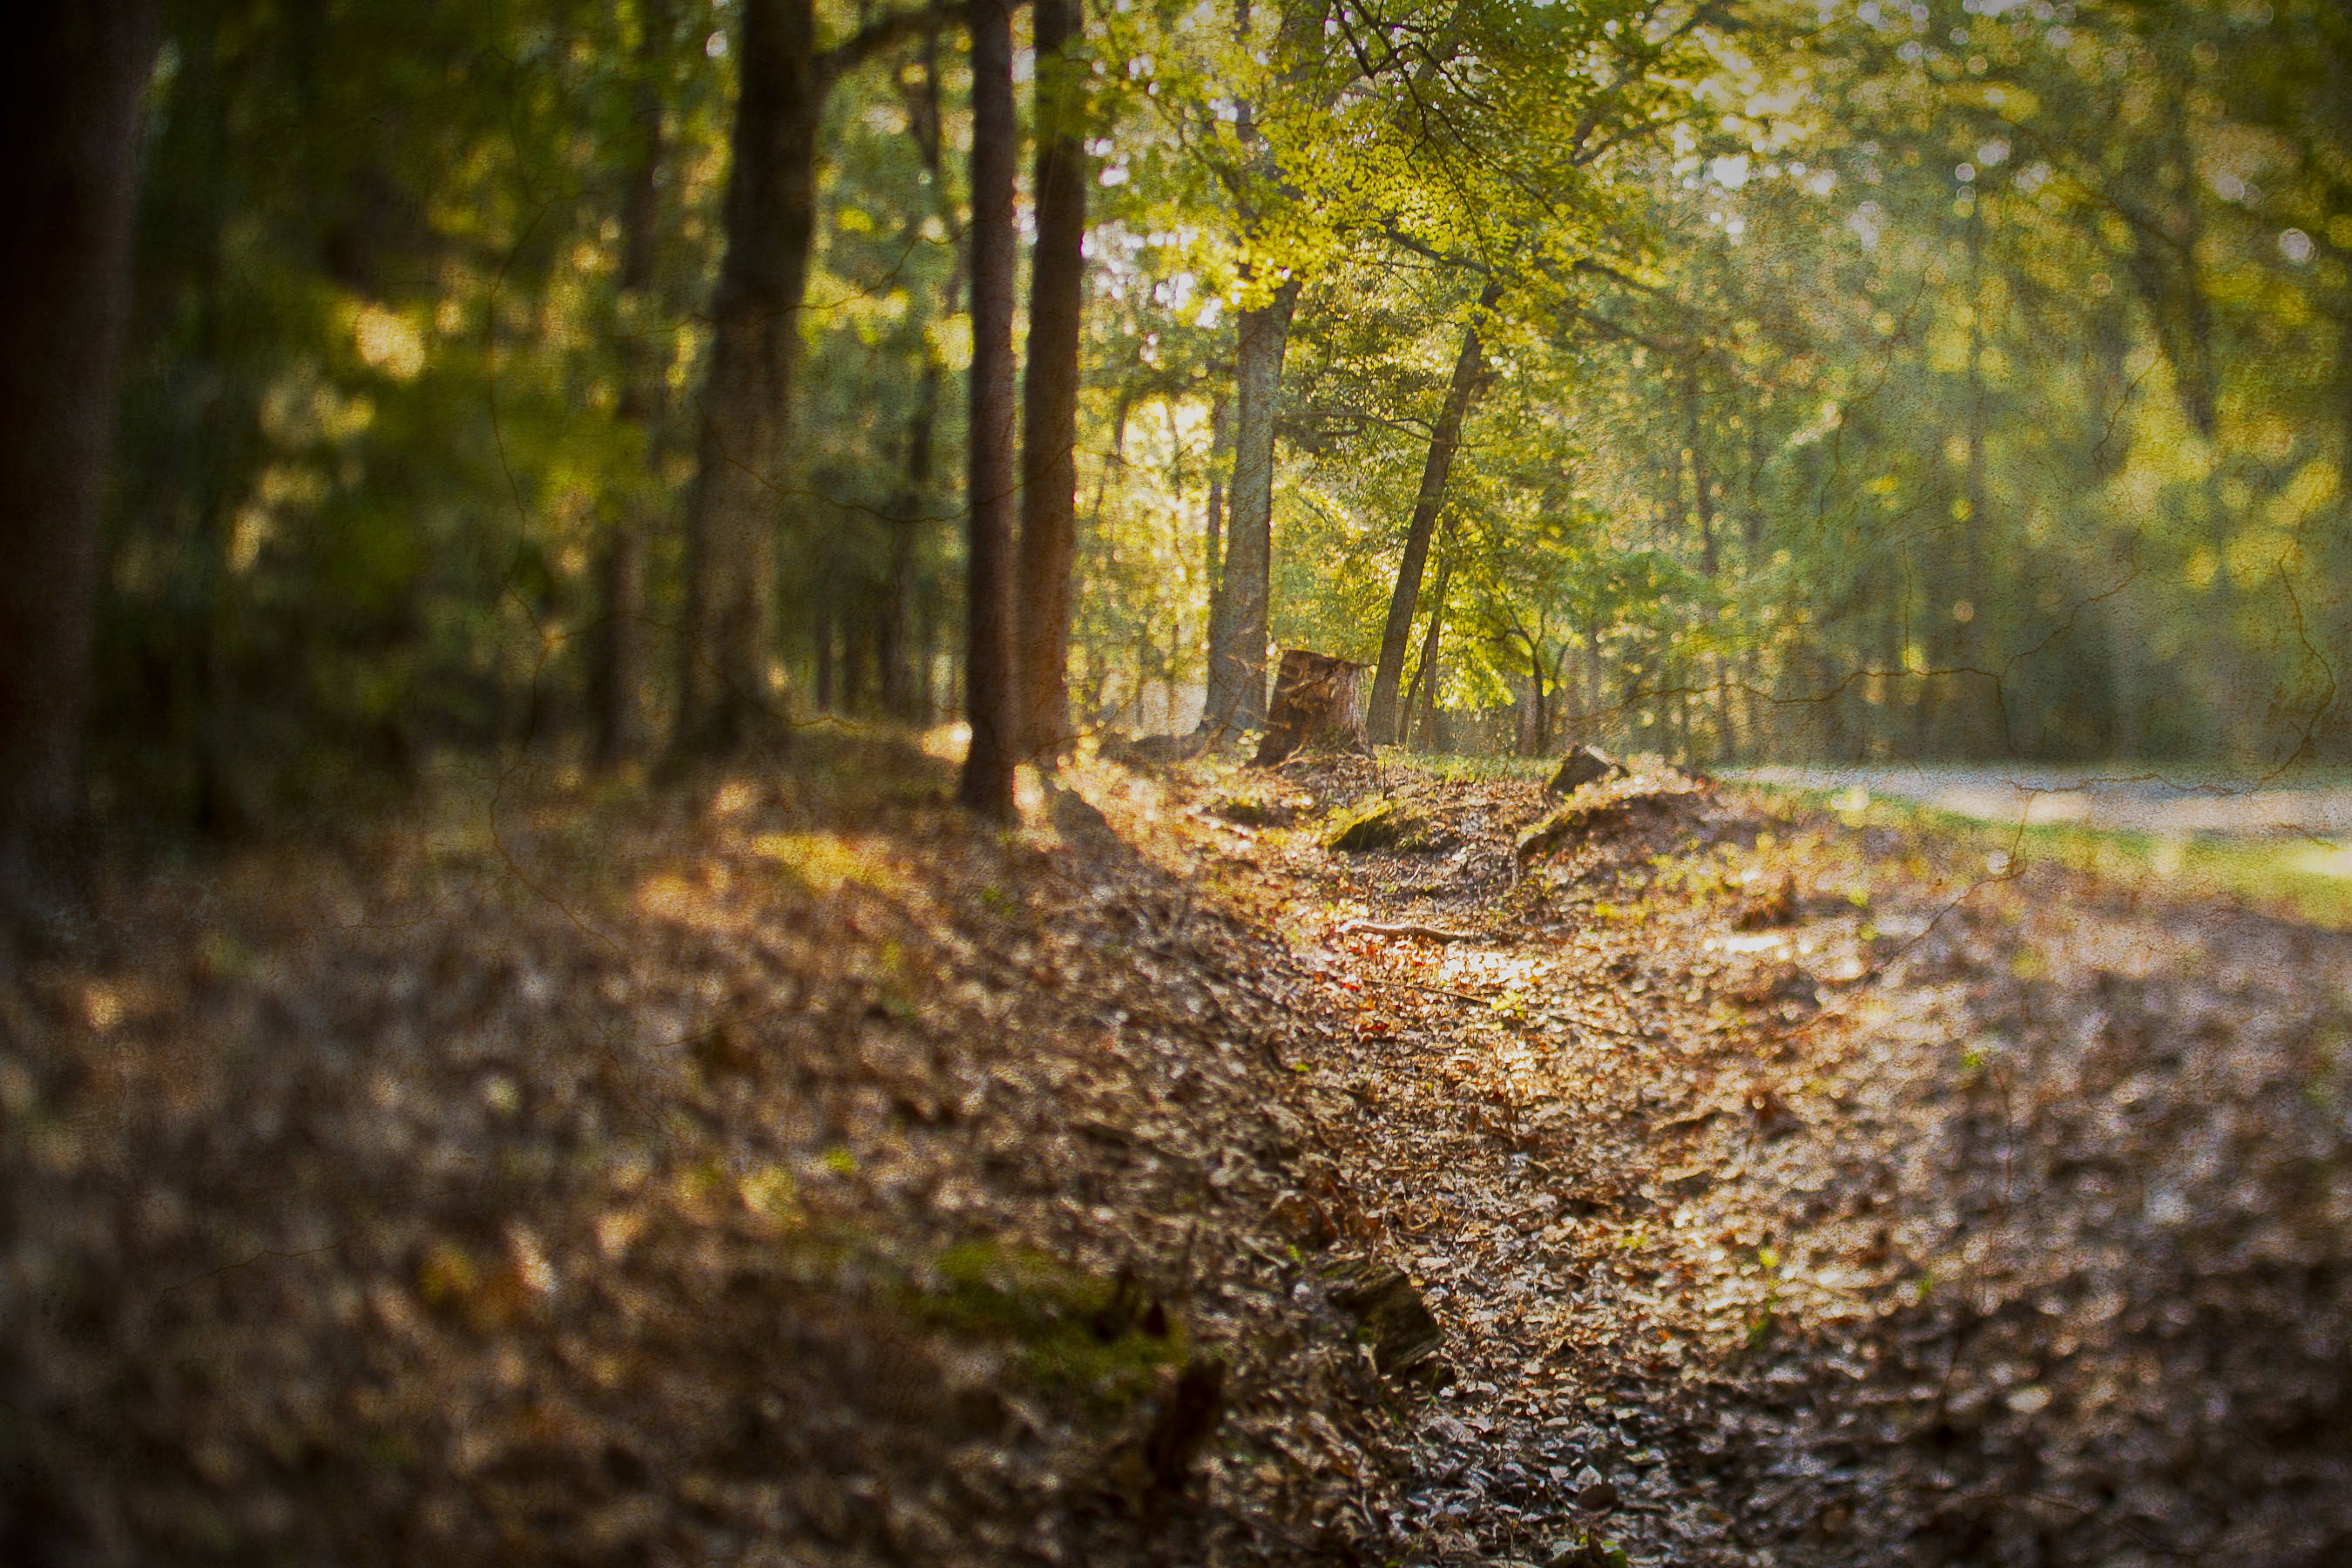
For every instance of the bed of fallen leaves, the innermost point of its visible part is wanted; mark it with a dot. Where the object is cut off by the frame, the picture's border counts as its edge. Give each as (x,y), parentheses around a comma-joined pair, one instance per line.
(783,1168)
(1795,1192)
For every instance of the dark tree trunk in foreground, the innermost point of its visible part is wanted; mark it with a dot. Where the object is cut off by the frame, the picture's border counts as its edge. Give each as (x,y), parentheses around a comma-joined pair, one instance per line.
(70,113)
(1237,665)
(624,653)
(1049,409)
(1382,721)
(724,702)
(991,679)
(725,699)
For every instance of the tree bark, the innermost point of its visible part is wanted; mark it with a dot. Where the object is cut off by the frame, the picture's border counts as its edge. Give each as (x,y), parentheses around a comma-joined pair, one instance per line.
(1237,668)
(624,652)
(1049,408)
(1979,693)
(1424,675)
(992,677)
(1213,553)
(71,111)
(1380,721)
(1315,707)
(906,694)
(1703,503)
(726,699)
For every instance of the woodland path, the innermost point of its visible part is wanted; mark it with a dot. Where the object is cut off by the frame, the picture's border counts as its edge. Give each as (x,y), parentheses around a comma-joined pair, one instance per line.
(1790,1193)
(2123,796)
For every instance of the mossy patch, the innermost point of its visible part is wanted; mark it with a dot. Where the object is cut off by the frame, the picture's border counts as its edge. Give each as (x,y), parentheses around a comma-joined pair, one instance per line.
(1379,823)
(1107,1341)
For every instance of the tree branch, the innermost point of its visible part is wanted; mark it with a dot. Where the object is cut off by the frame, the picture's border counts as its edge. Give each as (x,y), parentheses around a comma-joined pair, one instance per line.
(884,31)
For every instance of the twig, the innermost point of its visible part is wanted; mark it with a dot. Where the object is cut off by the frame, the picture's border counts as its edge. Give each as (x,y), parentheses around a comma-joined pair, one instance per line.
(1432,990)
(1380,928)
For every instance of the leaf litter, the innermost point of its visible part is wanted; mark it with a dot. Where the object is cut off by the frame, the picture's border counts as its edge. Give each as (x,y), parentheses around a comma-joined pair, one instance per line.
(786,1170)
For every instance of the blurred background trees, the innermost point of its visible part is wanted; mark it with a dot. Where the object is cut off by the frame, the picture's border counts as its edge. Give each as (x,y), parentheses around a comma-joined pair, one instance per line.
(1953,380)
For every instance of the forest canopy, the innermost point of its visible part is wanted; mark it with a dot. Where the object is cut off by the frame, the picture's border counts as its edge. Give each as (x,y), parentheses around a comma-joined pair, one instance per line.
(1731,381)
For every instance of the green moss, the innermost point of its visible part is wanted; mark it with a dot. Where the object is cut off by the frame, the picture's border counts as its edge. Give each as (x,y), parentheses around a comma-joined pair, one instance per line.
(1379,823)
(1069,1330)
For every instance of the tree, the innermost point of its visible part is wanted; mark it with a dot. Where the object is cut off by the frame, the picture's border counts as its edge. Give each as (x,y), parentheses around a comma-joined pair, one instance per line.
(1383,721)
(71,103)
(992,675)
(1237,668)
(625,645)
(726,701)
(1049,409)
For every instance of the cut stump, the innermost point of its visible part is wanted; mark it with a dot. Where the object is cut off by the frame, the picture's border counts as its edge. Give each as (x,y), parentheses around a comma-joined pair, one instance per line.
(1581,767)
(1317,706)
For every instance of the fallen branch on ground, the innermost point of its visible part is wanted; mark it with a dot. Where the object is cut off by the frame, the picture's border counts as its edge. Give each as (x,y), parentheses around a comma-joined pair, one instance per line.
(1383,928)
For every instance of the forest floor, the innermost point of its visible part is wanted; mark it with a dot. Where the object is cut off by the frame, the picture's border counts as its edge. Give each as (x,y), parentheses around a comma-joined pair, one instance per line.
(785,1169)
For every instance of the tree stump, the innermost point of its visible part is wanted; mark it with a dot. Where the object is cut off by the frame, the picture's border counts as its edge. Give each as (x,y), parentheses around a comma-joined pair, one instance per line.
(1317,706)
(1581,766)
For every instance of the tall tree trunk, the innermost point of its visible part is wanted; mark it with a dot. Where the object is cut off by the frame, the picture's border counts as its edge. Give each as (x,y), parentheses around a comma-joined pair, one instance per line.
(1049,407)
(857,632)
(1539,708)
(1425,679)
(1380,716)
(1213,553)
(1702,502)
(1977,692)
(926,637)
(821,636)
(70,114)
(623,651)
(992,677)
(725,701)
(1237,670)
(906,694)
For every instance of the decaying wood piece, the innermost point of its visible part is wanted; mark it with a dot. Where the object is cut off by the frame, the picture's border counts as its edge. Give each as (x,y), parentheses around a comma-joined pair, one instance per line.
(1317,706)
(1403,1334)
(1183,1425)
(1776,908)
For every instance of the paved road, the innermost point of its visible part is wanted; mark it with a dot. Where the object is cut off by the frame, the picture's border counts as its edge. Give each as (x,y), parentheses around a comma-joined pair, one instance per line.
(2126,797)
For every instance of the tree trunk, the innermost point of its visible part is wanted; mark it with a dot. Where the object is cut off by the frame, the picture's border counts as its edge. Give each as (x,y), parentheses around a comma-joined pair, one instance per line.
(725,701)
(1381,722)
(71,124)
(856,629)
(1978,691)
(624,652)
(1212,554)
(927,629)
(906,694)
(1049,408)
(1237,668)
(1424,678)
(1704,503)
(821,639)
(991,679)
(1539,708)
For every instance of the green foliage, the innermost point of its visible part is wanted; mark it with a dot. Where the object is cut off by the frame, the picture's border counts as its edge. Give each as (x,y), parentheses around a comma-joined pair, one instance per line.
(1856,384)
